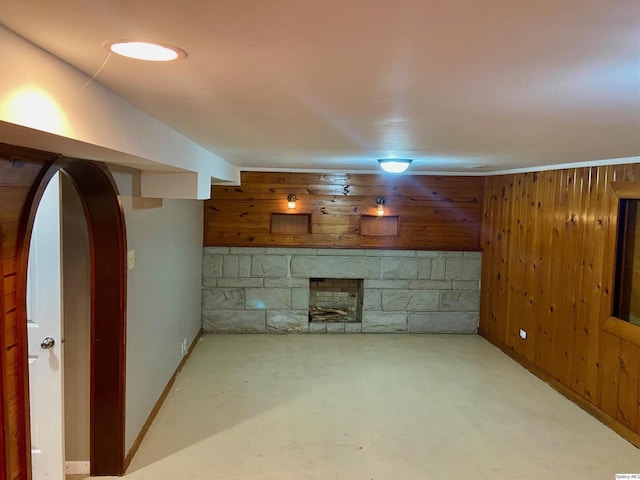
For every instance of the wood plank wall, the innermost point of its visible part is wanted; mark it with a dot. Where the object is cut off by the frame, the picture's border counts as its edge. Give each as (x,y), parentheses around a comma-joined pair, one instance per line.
(548,268)
(3,471)
(19,169)
(436,213)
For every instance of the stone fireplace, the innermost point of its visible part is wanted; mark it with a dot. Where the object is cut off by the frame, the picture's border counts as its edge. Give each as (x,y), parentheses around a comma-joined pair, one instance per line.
(268,290)
(334,300)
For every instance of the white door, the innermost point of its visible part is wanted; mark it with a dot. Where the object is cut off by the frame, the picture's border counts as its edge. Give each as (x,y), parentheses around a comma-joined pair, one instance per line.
(44,327)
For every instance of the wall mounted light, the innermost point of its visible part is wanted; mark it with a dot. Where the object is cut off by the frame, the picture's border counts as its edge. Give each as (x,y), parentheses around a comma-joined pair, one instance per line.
(394,165)
(291,201)
(380,203)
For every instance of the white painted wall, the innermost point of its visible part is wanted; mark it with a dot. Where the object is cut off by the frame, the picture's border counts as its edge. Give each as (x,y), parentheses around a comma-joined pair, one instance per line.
(45,104)
(76,323)
(163,292)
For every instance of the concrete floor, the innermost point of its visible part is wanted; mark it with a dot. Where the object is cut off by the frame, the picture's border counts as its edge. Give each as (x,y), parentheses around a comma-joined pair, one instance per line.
(381,407)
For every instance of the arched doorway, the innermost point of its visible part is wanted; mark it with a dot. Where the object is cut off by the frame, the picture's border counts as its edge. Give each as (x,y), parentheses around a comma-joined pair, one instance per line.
(107,240)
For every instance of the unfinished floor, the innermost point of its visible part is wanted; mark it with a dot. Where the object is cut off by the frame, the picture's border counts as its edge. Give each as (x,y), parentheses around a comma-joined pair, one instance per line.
(382,407)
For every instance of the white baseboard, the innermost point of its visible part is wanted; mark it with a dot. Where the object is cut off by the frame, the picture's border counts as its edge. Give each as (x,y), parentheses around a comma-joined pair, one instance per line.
(76,468)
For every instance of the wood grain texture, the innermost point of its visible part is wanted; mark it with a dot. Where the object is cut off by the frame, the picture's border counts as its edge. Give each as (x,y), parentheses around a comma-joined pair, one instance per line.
(436,213)
(379,226)
(296,223)
(20,171)
(24,175)
(548,243)
(3,470)
(108,245)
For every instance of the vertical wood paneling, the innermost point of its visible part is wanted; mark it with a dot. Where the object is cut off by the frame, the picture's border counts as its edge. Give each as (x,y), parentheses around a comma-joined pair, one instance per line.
(580,272)
(609,378)
(572,264)
(3,470)
(554,241)
(629,385)
(436,213)
(515,290)
(544,341)
(592,300)
(496,245)
(491,242)
(531,262)
(563,302)
(19,170)
(556,350)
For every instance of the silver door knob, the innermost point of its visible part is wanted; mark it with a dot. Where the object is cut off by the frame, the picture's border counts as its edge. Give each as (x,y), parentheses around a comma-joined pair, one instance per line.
(47,343)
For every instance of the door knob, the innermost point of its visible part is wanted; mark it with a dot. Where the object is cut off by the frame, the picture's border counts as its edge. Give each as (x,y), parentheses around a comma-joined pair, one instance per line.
(47,343)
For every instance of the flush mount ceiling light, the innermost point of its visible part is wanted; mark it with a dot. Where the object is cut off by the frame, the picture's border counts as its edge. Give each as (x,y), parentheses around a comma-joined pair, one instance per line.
(152,52)
(394,165)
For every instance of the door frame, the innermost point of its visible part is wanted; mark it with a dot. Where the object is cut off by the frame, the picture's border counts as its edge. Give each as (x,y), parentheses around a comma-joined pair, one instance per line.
(107,244)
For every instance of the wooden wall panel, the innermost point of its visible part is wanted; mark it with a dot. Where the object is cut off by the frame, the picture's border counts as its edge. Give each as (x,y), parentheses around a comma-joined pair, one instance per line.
(548,268)
(19,171)
(3,472)
(436,213)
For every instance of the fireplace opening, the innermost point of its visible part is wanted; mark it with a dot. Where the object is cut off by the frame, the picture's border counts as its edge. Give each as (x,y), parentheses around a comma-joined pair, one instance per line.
(334,300)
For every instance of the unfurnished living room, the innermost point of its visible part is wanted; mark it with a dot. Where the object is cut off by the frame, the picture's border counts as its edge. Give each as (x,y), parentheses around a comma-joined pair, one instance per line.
(355,240)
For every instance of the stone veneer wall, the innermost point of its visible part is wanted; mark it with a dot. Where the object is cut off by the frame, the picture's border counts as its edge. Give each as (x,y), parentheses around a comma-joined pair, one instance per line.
(258,290)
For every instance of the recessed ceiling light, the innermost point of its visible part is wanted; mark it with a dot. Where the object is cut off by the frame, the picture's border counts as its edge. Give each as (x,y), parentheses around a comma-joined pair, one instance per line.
(153,52)
(394,165)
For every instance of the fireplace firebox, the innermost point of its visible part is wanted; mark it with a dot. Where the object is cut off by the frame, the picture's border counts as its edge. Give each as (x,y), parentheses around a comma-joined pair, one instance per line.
(334,300)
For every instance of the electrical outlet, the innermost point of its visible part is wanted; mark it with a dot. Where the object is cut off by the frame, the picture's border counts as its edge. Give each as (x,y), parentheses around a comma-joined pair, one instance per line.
(523,334)
(131,259)
(184,347)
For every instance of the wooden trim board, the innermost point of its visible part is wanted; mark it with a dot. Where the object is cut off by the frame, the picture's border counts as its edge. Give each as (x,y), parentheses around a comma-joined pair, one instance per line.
(108,246)
(622,329)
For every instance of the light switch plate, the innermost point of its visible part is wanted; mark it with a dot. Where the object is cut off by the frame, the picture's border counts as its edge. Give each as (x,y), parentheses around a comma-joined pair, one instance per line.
(131,259)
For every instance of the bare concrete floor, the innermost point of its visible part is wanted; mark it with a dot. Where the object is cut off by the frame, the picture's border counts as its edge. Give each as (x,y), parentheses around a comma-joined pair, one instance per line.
(381,407)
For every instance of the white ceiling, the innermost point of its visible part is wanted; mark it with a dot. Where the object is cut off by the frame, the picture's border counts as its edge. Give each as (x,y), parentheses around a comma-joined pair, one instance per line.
(457,85)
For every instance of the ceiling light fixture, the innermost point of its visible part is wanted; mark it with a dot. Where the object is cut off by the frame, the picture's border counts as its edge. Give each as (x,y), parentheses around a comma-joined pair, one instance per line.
(152,52)
(394,165)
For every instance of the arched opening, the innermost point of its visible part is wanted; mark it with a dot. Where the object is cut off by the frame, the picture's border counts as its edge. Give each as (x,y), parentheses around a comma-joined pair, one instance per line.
(107,241)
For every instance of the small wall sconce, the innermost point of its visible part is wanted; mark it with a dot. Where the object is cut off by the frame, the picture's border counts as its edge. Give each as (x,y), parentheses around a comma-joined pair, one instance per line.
(380,203)
(291,201)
